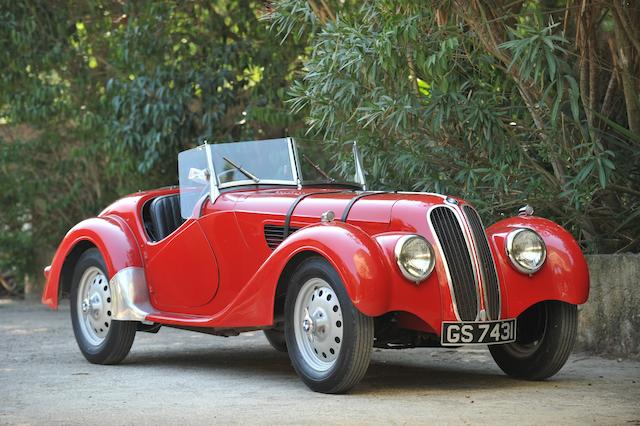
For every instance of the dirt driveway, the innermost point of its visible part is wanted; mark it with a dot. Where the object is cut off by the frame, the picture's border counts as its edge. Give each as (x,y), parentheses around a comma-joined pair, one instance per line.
(179,377)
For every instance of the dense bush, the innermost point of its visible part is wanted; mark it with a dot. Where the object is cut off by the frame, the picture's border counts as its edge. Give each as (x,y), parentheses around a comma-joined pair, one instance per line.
(501,102)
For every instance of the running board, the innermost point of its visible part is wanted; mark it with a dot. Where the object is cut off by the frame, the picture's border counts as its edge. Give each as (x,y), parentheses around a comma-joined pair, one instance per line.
(130,301)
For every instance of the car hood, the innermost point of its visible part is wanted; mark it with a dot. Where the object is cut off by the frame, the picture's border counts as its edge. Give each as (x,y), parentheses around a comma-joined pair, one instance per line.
(375,207)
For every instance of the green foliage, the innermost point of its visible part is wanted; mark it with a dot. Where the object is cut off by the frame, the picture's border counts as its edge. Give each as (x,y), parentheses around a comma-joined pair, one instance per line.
(497,115)
(15,239)
(193,74)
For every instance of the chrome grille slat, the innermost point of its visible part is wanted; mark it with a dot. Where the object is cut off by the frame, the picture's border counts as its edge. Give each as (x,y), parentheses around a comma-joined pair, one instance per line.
(487,265)
(448,229)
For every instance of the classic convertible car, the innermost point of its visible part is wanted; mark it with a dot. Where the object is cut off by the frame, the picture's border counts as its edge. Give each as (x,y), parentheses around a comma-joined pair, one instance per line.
(262,236)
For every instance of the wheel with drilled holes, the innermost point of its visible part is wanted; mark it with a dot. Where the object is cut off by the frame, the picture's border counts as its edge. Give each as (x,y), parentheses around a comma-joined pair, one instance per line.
(328,339)
(276,339)
(101,339)
(545,337)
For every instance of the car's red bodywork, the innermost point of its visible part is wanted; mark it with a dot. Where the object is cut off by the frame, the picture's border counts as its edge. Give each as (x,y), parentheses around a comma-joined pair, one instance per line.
(217,270)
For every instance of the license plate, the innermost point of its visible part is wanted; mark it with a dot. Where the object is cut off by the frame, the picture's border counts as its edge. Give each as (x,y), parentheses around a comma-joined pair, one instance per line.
(478,332)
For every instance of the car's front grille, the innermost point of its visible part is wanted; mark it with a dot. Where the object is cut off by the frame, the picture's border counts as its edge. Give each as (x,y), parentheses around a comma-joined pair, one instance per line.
(458,259)
(274,235)
(487,265)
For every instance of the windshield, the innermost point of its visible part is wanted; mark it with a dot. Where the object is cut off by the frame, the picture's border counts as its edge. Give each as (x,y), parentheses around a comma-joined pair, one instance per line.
(338,165)
(193,175)
(207,169)
(268,161)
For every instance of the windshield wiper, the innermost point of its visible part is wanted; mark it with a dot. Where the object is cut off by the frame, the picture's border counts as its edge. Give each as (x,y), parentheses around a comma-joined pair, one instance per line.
(242,170)
(318,169)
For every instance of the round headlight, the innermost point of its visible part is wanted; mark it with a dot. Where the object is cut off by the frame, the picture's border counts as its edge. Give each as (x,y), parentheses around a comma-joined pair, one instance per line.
(415,257)
(526,250)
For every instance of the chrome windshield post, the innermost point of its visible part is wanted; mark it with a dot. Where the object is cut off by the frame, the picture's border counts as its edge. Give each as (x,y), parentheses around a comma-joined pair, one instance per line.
(295,162)
(359,177)
(213,179)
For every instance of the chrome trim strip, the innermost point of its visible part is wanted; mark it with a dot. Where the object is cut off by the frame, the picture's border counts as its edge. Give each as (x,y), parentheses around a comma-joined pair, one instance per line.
(295,162)
(129,295)
(359,170)
(213,179)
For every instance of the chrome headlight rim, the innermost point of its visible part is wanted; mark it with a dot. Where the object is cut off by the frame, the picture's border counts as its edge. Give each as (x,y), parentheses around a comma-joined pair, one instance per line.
(400,244)
(509,248)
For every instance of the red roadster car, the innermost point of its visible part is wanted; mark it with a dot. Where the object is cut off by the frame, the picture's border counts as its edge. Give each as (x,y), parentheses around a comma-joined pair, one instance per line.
(262,236)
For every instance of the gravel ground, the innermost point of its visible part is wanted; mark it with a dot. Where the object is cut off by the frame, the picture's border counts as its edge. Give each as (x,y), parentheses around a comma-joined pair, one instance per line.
(190,378)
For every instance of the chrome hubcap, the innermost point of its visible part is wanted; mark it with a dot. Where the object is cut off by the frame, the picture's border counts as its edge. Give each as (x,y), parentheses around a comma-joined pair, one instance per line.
(94,305)
(318,324)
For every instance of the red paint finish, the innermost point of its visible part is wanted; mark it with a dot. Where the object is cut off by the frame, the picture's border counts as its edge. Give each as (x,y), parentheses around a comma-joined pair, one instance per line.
(216,270)
(110,234)
(181,270)
(564,276)
(424,300)
(354,255)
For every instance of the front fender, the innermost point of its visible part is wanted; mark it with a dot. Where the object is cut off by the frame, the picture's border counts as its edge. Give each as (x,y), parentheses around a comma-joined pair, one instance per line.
(357,258)
(113,238)
(564,275)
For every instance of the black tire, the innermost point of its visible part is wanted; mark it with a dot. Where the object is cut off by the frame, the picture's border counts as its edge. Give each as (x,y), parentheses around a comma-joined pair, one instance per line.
(352,358)
(276,339)
(120,335)
(546,335)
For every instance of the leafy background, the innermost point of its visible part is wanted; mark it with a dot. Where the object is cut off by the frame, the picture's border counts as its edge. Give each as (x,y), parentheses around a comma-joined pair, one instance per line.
(501,102)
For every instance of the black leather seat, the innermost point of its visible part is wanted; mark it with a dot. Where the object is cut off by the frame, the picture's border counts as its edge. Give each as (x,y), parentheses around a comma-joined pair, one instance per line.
(165,215)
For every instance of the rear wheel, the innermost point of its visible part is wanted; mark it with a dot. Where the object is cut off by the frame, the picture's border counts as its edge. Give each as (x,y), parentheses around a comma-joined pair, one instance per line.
(546,335)
(328,339)
(100,339)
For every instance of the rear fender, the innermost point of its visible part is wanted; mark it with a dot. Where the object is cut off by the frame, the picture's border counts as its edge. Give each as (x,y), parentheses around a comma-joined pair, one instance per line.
(564,275)
(109,234)
(357,258)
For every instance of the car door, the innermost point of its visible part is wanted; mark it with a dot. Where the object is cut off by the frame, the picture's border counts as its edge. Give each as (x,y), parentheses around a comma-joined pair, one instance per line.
(181,270)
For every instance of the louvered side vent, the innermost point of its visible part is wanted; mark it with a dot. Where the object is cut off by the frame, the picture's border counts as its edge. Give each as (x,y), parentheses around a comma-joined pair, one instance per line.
(274,235)
(456,253)
(488,267)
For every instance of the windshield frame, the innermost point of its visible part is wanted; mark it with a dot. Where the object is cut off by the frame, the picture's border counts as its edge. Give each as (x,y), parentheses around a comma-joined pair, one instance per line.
(216,186)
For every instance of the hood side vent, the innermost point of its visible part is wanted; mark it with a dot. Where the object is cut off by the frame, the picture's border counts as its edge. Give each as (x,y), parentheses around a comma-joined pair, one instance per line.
(274,235)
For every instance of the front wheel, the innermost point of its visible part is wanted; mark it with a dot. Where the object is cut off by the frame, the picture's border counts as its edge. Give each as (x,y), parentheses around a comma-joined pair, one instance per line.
(100,339)
(546,335)
(328,339)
